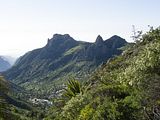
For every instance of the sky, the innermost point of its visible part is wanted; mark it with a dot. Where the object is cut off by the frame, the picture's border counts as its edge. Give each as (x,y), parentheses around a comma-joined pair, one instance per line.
(27,24)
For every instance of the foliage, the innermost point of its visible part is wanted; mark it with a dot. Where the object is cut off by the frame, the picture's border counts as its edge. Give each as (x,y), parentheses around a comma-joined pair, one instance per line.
(40,69)
(125,88)
(3,105)
(12,108)
(73,88)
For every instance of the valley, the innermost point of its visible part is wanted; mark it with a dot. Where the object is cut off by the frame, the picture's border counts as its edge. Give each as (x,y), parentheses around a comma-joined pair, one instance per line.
(122,85)
(79,60)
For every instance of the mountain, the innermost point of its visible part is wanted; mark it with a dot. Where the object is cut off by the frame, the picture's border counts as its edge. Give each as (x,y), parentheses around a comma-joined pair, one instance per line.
(125,88)
(9,59)
(4,65)
(61,57)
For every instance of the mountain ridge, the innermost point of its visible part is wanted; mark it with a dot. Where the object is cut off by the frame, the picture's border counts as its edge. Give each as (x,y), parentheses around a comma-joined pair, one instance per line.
(60,57)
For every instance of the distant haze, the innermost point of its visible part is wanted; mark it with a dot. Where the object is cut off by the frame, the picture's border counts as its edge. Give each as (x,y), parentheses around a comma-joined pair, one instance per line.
(9,59)
(27,24)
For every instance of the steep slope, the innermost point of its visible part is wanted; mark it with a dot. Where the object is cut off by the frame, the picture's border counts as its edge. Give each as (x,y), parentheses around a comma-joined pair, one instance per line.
(125,88)
(14,103)
(4,65)
(62,56)
(10,92)
(9,104)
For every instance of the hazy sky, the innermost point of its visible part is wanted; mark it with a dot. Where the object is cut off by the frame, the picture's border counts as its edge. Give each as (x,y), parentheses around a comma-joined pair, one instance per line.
(26,24)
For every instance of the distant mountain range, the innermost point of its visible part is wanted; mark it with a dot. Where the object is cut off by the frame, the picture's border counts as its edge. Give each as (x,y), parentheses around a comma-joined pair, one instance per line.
(9,59)
(4,65)
(61,57)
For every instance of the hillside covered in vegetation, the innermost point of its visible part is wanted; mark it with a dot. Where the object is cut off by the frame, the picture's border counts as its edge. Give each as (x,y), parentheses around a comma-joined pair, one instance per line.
(39,70)
(125,88)
(13,105)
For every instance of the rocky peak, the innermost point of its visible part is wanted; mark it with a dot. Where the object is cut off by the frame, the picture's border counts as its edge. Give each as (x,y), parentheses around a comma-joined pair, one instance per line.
(99,40)
(115,42)
(59,38)
(115,37)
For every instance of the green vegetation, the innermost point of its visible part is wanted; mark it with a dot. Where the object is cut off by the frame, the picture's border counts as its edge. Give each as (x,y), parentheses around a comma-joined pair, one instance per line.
(14,107)
(72,50)
(39,70)
(3,105)
(125,88)
(73,88)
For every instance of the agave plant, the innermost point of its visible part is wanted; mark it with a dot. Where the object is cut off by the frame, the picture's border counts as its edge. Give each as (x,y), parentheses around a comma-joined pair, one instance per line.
(73,88)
